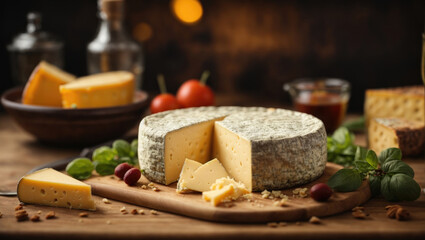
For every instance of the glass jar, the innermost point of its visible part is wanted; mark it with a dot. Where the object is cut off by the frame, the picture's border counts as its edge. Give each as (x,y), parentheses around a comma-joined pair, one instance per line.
(325,99)
(29,48)
(112,49)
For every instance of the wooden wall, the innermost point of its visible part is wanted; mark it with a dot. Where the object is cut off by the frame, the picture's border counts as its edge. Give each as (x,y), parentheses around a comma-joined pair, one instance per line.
(250,46)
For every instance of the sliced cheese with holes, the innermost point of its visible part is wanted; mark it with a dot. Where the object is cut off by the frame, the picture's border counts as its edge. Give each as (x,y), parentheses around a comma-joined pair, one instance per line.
(203,177)
(52,188)
(407,135)
(402,102)
(218,196)
(99,90)
(189,167)
(42,87)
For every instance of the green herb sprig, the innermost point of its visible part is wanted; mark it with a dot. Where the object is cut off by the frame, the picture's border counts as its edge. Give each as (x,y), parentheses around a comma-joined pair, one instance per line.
(104,160)
(387,174)
(341,147)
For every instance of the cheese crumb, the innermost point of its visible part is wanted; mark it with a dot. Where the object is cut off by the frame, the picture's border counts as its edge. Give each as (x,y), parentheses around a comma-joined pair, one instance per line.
(106,201)
(141,212)
(154,212)
(315,220)
(144,186)
(272,224)
(123,209)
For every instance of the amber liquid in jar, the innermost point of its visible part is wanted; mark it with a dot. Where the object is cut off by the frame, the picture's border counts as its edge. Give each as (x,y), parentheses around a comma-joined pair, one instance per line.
(328,107)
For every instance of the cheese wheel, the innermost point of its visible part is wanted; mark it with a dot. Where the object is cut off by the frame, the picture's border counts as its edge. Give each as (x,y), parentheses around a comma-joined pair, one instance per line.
(99,90)
(42,87)
(262,148)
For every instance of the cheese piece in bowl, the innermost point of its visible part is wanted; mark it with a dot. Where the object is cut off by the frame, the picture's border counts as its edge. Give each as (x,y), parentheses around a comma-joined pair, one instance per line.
(99,90)
(42,87)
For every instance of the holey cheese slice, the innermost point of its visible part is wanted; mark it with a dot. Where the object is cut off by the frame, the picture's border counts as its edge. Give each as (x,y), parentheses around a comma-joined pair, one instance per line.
(407,135)
(52,188)
(200,178)
(99,90)
(262,148)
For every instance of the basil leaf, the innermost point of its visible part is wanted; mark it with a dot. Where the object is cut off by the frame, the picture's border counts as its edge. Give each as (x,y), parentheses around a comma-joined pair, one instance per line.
(386,190)
(375,185)
(389,154)
(363,166)
(349,151)
(105,168)
(122,147)
(345,180)
(403,187)
(134,147)
(342,136)
(397,166)
(360,153)
(356,124)
(104,154)
(372,159)
(80,168)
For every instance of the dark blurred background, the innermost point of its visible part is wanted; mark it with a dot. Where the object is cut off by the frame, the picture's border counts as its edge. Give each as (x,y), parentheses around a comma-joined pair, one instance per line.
(250,47)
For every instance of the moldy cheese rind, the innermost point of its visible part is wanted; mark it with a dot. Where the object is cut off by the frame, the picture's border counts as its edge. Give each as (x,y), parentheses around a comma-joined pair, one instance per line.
(262,148)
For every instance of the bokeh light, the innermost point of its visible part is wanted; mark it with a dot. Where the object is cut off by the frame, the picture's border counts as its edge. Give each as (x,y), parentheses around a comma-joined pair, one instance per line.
(187,11)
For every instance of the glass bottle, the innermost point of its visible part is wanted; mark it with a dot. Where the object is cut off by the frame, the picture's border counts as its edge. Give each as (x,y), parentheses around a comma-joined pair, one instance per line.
(29,48)
(112,49)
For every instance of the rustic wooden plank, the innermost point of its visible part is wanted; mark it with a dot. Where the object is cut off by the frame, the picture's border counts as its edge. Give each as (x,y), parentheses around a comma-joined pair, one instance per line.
(21,153)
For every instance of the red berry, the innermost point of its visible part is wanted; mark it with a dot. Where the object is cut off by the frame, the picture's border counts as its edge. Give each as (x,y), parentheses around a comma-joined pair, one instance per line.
(132,176)
(320,192)
(121,169)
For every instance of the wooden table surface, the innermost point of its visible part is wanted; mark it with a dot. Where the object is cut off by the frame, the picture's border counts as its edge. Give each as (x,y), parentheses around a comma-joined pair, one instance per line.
(20,152)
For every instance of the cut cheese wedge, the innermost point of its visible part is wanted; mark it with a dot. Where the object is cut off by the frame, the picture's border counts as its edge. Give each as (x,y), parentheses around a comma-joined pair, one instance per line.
(403,102)
(99,90)
(407,135)
(42,87)
(189,167)
(52,188)
(203,177)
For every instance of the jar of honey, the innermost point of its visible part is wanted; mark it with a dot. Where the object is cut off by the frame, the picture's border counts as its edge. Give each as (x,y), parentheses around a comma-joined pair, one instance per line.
(325,99)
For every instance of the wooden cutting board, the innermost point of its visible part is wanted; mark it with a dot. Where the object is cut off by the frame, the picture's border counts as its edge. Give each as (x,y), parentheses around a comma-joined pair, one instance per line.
(241,211)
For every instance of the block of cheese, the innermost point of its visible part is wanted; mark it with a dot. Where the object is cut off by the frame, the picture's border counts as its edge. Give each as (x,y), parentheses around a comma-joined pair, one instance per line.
(203,177)
(42,87)
(403,102)
(189,167)
(220,195)
(52,188)
(262,148)
(407,135)
(99,90)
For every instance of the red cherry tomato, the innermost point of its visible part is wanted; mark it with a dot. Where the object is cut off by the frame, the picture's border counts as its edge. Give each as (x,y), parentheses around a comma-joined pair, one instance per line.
(193,93)
(164,102)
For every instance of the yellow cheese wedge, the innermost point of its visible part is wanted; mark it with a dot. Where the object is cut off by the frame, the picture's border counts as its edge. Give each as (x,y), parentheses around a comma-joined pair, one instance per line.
(52,188)
(189,167)
(203,177)
(42,87)
(99,90)
(218,196)
(407,135)
(403,102)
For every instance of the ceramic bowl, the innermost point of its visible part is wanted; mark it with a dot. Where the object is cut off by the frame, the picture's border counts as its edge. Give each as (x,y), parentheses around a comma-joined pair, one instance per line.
(74,127)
